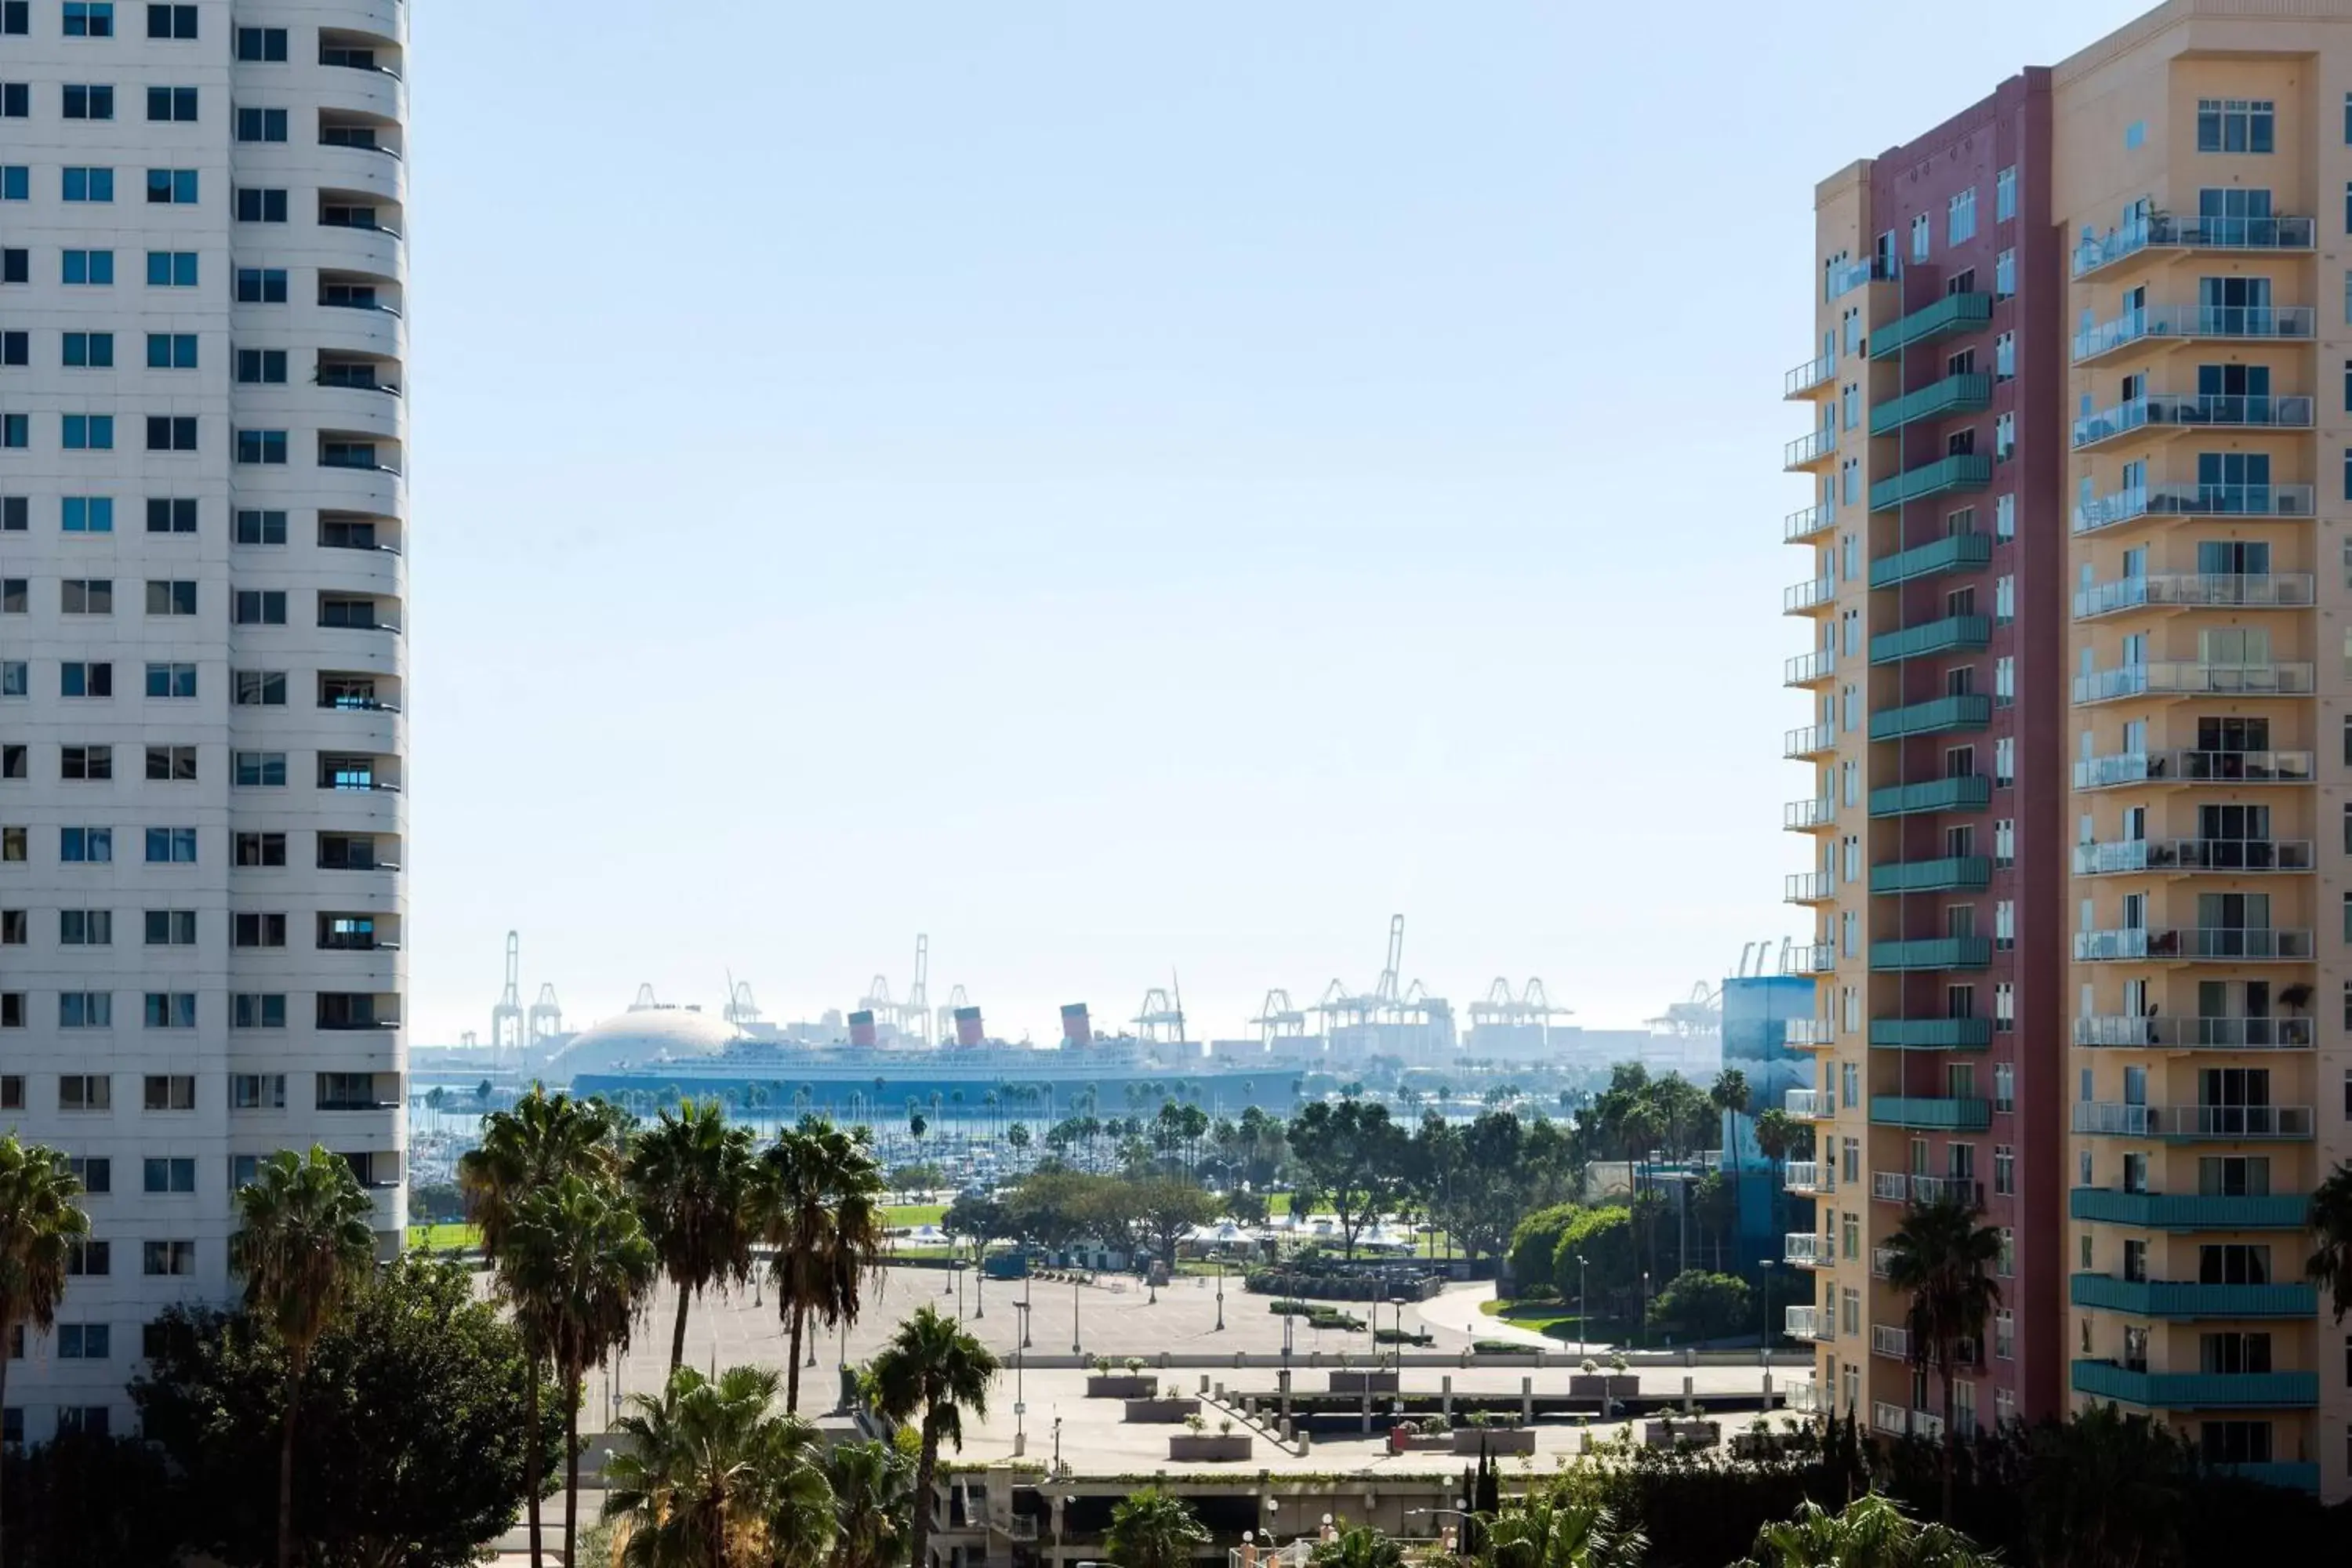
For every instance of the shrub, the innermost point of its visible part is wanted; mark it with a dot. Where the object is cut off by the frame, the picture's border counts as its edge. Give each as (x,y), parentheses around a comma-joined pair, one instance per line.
(1535,1240)
(1701,1306)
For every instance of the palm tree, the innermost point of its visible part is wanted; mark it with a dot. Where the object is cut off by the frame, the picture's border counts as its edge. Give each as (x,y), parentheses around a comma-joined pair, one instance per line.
(872,1503)
(2331,1224)
(576,1270)
(39,1226)
(1153,1529)
(931,1368)
(2106,1488)
(306,1250)
(538,1142)
(1555,1527)
(710,1476)
(821,1207)
(694,1176)
(1871,1533)
(1943,1259)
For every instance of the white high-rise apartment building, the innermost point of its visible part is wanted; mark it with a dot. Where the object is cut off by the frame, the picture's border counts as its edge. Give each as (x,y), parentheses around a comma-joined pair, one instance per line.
(202,422)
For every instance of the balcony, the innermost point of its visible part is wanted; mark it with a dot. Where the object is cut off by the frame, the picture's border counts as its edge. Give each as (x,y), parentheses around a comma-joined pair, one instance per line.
(2197,1390)
(2287,1474)
(1809,451)
(1811,958)
(1931,1111)
(1804,1176)
(1971,792)
(1967,393)
(1897,1187)
(2185,677)
(1932,953)
(1812,374)
(2193,324)
(2184,1299)
(1953,633)
(2108,1119)
(2121,1031)
(1810,1104)
(1970,871)
(1807,1323)
(1809,669)
(1807,1034)
(2193,944)
(1844,279)
(1807,523)
(2163,414)
(2125,768)
(1960,471)
(1953,553)
(1952,313)
(2237,856)
(2189,498)
(1804,1249)
(2162,231)
(1882,1262)
(1970,711)
(1806,599)
(1889,1340)
(1931,1034)
(1809,741)
(2190,1211)
(1807,816)
(2197,591)
(1805,1399)
(1808,887)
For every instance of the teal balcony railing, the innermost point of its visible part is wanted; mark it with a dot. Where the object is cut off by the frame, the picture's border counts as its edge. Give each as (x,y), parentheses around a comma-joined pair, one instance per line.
(2189,1298)
(2189,1211)
(1931,876)
(1972,711)
(1933,1112)
(2197,1390)
(1952,313)
(1932,953)
(1960,471)
(1953,553)
(1931,1034)
(1953,633)
(2289,1475)
(1966,394)
(1973,792)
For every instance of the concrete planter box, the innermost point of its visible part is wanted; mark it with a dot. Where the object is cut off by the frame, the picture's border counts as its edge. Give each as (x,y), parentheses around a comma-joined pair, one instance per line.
(1122,1385)
(1767,1445)
(1364,1382)
(1604,1386)
(1403,1442)
(1201,1448)
(1666,1433)
(1497,1439)
(1162,1412)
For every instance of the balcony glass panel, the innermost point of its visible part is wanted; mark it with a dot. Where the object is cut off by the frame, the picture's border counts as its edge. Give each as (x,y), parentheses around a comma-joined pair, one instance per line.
(2164,1033)
(1929,1111)
(2197,591)
(1932,953)
(2194,767)
(1814,373)
(2194,411)
(2197,1390)
(2110,1118)
(2193,944)
(1960,471)
(2160,230)
(2235,855)
(2189,498)
(2183,678)
(2192,322)
(2188,1298)
(1925,876)
(1964,393)
(1952,313)
(1931,1034)
(1953,553)
(1972,711)
(1972,793)
(1945,636)
(2190,1211)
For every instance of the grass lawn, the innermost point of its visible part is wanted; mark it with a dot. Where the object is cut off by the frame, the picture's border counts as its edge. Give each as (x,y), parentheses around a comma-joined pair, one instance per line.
(441,1237)
(914,1214)
(1556,1320)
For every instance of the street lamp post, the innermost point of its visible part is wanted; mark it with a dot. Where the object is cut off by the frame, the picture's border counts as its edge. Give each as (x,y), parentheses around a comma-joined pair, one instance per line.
(1075,1347)
(1028,1279)
(1582,1330)
(1765,1338)
(1020,1385)
(1221,1295)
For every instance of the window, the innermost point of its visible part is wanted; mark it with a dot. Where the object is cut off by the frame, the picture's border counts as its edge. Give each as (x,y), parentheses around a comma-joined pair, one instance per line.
(16,931)
(260,930)
(171,187)
(86,596)
(171,846)
(89,351)
(87,184)
(91,102)
(170,1010)
(168,1174)
(261,45)
(256,206)
(85,928)
(2004,195)
(170,1091)
(2004,1334)
(96,1173)
(170,765)
(348,1092)
(261,446)
(261,366)
(169,1257)
(260,849)
(85,1010)
(171,596)
(82,1342)
(171,351)
(88,432)
(86,514)
(2235,124)
(171,270)
(15,431)
(170,516)
(2004,1006)
(85,1092)
(86,1258)
(171,104)
(167,432)
(261,125)
(261,286)
(1923,239)
(2004,276)
(171,927)
(16,21)
(173,680)
(84,678)
(260,770)
(257,1091)
(172,22)
(86,846)
(2004,1169)
(16,101)
(1961,217)
(90,19)
(260,608)
(253,1011)
(16,348)
(15,514)
(2007,1262)
(2004,437)
(261,688)
(260,527)
(16,183)
(78,1420)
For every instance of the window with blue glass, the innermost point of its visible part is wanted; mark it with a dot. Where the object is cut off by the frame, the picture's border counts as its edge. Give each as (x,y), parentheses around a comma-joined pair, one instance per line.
(171,845)
(86,514)
(261,125)
(16,101)
(172,22)
(171,433)
(93,268)
(16,348)
(88,101)
(87,184)
(172,105)
(2236,124)
(2234,482)
(16,21)
(261,45)
(171,350)
(84,1341)
(86,846)
(171,270)
(78,678)
(15,431)
(261,286)
(16,183)
(170,1174)
(90,19)
(171,514)
(261,446)
(16,264)
(256,205)
(171,187)
(90,432)
(170,680)
(90,351)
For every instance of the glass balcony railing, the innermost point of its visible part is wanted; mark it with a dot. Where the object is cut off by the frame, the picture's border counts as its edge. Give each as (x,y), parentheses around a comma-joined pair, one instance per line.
(2192,1298)
(1972,710)
(1808,1033)
(2122,768)
(1804,1176)
(1882,1262)
(2190,1211)
(1952,313)
(1953,553)
(2197,1390)
(1812,958)
(2197,591)
(2179,677)
(1807,816)
(2121,1031)
(1949,872)
(1803,1248)
(1967,393)
(2194,944)
(2233,856)
(1899,1187)
(1844,279)
(2194,411)
(1950,634)
(1972,791)
(1810,1104)
(1960,471)
(2110,1118)
(1814,373)
(1810,1324)
(1933,1112)
(2163,231)
(1931,1034)
(2193,500)
(1811,522)
(1932,953)
(1804,598)
(1809,741)
(1807,887)
(1889,1340)
(1805,669)
(1807,450)
(2188,323)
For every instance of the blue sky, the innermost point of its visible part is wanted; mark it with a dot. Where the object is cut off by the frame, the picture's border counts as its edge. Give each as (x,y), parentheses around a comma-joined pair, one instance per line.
(1119,487)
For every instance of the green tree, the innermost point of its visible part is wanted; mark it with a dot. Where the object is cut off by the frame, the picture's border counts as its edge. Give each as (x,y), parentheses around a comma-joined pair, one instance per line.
(821,1199)
(1942,1258)
(1017,1136)
(577,1270)
(1358,1546)
(711,1476)
(694,1180)
(1715,1204)
(415,1450)
(1167,1208)
(1604,1238)
(80,1500)
(2330,1221)
(304,1248)
(1354,1158)
(1535,1239)
(1870,1532)
(1729,1092)
(873,1502)
(930,1369)
(1780,1136)
(2106,1490)
(1153,1529)
(1557,1526)
(1696,1305)
(40,1225)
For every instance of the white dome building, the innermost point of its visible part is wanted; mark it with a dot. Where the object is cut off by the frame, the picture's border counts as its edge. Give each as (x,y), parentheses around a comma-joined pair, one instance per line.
(643,1037)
